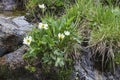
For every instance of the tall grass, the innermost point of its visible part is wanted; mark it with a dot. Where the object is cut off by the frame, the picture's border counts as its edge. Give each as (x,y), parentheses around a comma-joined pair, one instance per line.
(104,23)
(106,32)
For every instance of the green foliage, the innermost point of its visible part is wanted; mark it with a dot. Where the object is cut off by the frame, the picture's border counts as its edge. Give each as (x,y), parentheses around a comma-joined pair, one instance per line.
(53,7)
(117,57)
(51,49)
(106,25)
(104,21)
(30,68)
(80,10)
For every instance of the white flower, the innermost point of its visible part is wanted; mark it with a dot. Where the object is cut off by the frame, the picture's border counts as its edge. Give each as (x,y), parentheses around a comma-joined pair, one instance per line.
(43,26)
(61,36)
(27,40)
(42,6)
(67,33)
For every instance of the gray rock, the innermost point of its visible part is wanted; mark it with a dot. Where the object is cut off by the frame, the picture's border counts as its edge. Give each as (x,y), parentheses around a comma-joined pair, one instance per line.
(11,35)
(22,24)
(14,59)
(12,65)
(20,21)
(7,5)
(8,43)
(86,70)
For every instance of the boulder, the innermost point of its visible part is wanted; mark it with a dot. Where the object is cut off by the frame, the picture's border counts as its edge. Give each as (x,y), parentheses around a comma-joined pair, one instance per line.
(20,21)
(85,69)
(12,33)
(12,65)
(14,59)
(7,5)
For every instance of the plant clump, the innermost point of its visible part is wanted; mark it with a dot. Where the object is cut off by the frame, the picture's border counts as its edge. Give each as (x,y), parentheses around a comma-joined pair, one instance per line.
(52,43)
(56,39)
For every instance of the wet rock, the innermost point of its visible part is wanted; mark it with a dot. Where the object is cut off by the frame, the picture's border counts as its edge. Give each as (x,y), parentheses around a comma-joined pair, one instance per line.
(12,65)
(14,59)
(7,4)
(11,34)
(20,21)
(22,25)
(1,6)
(85,70)
(8,44)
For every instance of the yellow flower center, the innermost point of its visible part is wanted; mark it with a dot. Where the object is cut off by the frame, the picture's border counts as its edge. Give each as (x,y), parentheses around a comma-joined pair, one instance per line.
(42,26)
(28,40)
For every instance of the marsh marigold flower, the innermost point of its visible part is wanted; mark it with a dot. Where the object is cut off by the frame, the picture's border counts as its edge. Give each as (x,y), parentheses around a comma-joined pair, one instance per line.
(42,6)
(43,26)
(67,33)
(27,40)
(61,36)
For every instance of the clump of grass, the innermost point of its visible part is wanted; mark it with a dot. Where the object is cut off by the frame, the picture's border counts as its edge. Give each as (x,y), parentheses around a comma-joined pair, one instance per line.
(102,25)
(105,35)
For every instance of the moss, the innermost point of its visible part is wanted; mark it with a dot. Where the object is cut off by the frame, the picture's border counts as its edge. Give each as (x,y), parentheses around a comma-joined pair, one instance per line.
(17,74)
(13,13)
